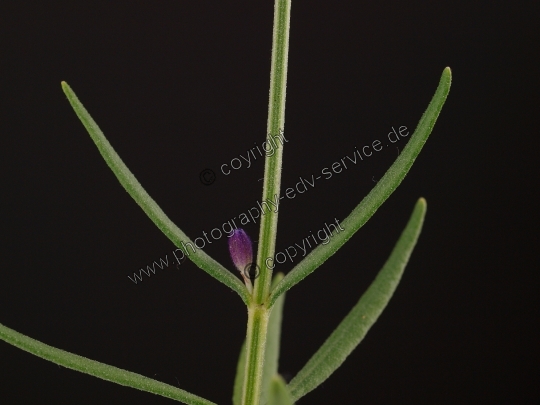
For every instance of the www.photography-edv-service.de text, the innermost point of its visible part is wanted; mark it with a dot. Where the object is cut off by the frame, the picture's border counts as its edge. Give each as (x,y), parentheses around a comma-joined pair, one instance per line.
(255,212)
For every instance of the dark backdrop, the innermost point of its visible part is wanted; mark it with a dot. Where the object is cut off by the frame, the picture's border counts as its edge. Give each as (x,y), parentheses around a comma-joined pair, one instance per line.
(181,86)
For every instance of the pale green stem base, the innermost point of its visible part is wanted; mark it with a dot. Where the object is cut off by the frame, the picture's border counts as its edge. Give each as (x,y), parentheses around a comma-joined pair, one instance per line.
(257,328)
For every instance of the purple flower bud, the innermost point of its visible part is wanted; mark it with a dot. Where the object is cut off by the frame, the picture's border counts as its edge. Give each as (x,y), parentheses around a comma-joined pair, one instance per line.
(241,250)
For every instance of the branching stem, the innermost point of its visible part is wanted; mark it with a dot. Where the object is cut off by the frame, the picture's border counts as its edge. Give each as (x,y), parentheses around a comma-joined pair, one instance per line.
(258,314)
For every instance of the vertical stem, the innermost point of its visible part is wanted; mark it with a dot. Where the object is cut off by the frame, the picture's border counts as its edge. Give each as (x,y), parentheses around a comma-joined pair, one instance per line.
(275,127)
(255,348)
(258,313)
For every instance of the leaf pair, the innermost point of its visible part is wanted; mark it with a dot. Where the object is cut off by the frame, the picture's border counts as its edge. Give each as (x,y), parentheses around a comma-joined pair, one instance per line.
(358,217)
(325,361)
(344,339)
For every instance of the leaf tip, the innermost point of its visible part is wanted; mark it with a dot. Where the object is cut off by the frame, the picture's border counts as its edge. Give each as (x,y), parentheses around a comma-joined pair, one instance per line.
(421,206)
(65,87)
(447,75)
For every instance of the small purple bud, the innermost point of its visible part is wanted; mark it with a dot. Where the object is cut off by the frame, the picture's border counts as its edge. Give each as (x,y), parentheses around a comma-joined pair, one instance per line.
(241,250)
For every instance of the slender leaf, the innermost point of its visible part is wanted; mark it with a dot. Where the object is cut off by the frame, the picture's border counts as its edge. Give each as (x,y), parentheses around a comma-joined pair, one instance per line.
(149,206)
(239,379)
(386,186)
(356,324)
(273,338)
(279,393)
(97,369)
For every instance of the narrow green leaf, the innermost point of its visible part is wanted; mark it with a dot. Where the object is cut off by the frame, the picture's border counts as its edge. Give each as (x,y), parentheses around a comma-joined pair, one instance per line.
(239,379)
(273,338)
(149,206)
(378,195)
(97,369)
(279,393)
(356,324)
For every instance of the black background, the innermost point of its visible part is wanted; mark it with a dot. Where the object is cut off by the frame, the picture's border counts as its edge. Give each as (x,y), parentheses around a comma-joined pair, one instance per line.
(181,86)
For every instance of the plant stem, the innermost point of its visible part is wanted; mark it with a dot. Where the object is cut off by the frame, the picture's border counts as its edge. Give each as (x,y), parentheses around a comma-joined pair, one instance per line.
(258,313)
(275,126)
(258,317)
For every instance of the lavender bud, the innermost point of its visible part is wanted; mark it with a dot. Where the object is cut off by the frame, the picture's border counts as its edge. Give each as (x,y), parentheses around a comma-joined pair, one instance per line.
(241,250)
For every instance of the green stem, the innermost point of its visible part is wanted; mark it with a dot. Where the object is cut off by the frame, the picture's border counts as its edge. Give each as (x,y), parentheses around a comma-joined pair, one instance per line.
(258,313)
(257,329)
(275,127)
